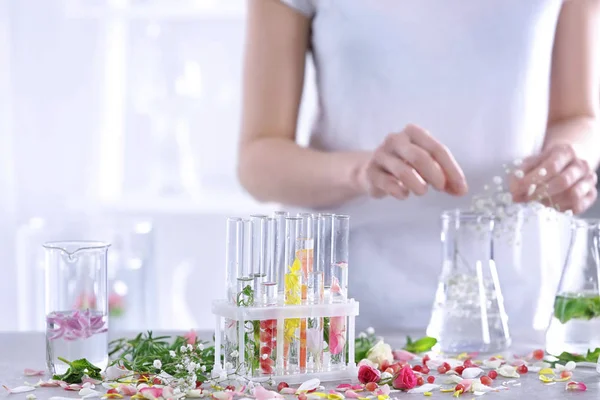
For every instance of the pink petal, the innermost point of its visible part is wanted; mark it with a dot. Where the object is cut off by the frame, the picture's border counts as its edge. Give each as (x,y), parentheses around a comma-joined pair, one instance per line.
(384,390)
(91,380)
(19,389)
(467,383)
(49,383)
(33,372)
(351,394)
(343,386)
(403,355)
(153,391)
(263,394)
(288,390)
(579,386)
(127,390)
(73,386)
(357,387)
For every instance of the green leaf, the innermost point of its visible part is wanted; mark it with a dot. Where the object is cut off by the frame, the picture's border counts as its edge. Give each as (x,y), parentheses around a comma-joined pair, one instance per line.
(576,307)
(591,356)
(77,369)
(421,345)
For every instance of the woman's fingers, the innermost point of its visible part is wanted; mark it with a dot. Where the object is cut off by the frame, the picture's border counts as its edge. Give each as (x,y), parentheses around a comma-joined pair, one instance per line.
(386,184)
(572,174)
(578,197)
(546,166)
(454,176)
(402,172)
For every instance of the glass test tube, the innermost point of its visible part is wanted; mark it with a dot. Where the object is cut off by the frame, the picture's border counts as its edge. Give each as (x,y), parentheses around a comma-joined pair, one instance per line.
(339,289)
(339,258)
(327,231)
(268,328)
(305,254)
(259,253)
(293,293)
(314,333)
(280,261)
(245,290)
(233,255)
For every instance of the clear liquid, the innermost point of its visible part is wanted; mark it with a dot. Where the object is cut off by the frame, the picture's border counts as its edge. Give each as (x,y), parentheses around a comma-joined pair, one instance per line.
(574,336)
(269,291)
(469,317)
(76,335)
(339,282)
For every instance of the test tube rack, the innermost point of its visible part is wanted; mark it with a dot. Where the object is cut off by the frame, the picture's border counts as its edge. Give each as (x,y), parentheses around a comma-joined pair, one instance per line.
(223,310)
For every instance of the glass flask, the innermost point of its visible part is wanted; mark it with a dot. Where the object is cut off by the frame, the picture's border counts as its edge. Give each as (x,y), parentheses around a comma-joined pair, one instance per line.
(76,303)
(468,313)
(575,324)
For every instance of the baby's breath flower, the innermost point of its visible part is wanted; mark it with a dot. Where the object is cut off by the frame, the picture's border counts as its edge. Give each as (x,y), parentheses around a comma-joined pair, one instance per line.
(183,349)
(370,331)
(203,368)
(531,189)
(362,335)
(543,172)
(234,353)
(200,346)
(172,353)
(190,347)
(519,174)
(157,364)
(228,365)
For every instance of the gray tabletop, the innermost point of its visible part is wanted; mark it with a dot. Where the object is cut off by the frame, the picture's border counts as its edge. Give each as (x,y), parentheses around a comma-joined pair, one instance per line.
(27,350)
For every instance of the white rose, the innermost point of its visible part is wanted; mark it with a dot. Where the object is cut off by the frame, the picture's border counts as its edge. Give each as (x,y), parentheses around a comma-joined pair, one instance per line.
(380,352)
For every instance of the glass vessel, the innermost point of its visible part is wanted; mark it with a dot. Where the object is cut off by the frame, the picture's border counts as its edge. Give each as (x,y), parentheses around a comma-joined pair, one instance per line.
(468,313)
(575,324)
(76,303)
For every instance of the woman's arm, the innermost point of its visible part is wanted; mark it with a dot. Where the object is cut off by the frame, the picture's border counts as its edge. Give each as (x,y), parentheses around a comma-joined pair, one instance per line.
(575,83)
(271,166)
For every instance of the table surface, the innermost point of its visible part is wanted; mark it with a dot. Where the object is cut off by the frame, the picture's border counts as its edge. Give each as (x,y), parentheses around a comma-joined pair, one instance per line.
(27,350)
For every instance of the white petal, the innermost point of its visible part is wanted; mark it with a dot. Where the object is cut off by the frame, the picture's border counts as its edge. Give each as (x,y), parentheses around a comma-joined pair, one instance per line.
(427,387)
(454,379)
(309,385)
(492,363)
(89,393)
(31,396)
(193,393)
(471,372)
(570,366)
(508,371)
(21,389)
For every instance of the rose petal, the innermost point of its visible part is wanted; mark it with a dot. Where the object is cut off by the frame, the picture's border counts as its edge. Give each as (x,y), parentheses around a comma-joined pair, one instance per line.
(263,394)
(89,393)
(493,364)
(427,387)
(229,396)
(309,385)
(579,386)
(479,387)
(127,390)
(471,372)
(288,390)
(114,372)
(194,393)
(403,355)
(19,389)
(343,387)
(351,394)
(33,372)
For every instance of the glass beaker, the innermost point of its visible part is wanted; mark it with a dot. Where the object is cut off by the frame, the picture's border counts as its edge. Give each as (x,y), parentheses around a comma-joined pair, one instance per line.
(76,303)
(468,313)
(575,324)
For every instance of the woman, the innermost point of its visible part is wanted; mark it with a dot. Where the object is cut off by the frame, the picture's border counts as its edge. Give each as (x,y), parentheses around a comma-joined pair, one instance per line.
(420,103)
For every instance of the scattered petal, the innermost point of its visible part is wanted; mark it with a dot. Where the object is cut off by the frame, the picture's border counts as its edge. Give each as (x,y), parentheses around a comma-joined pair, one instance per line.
(343,387)
(479,387)
(579,386)
(546,379)
(493,364)
(48,383)
(31,396)
(508,371)
(288,390)
(113,373)
(194,393)
(403,355)
(538,366)
(228,396)
(351,394)
(89,393)
(471,372)
(19,389)
(127,390)
(309,385)
(33,372)
(263,394)
(546,371)
(427,387)
(454,379)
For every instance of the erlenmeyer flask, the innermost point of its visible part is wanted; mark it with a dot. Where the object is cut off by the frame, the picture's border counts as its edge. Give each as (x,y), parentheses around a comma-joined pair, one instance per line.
(575,324)
(468,313)
(76,304)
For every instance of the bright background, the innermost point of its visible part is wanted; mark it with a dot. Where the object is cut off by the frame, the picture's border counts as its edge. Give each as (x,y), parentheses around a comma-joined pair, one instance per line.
(119,122)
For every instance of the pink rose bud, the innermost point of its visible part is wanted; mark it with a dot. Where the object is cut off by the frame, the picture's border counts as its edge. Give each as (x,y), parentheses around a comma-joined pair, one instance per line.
(367,373)
(405,379)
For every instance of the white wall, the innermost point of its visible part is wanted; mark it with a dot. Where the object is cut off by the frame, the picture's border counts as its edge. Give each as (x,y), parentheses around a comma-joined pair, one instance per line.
(114,112)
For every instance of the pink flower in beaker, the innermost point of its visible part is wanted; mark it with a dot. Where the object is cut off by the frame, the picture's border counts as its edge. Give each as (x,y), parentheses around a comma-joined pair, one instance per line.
(191,337)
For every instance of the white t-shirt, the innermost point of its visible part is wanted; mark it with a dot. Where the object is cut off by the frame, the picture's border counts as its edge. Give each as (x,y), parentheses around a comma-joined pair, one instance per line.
(475,74)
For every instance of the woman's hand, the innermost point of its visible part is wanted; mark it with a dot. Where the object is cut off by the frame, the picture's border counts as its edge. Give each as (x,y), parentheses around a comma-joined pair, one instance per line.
(556,177)
(409,161)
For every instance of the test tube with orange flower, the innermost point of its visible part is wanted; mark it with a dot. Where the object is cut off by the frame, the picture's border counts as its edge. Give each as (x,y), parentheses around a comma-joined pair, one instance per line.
(305,253)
